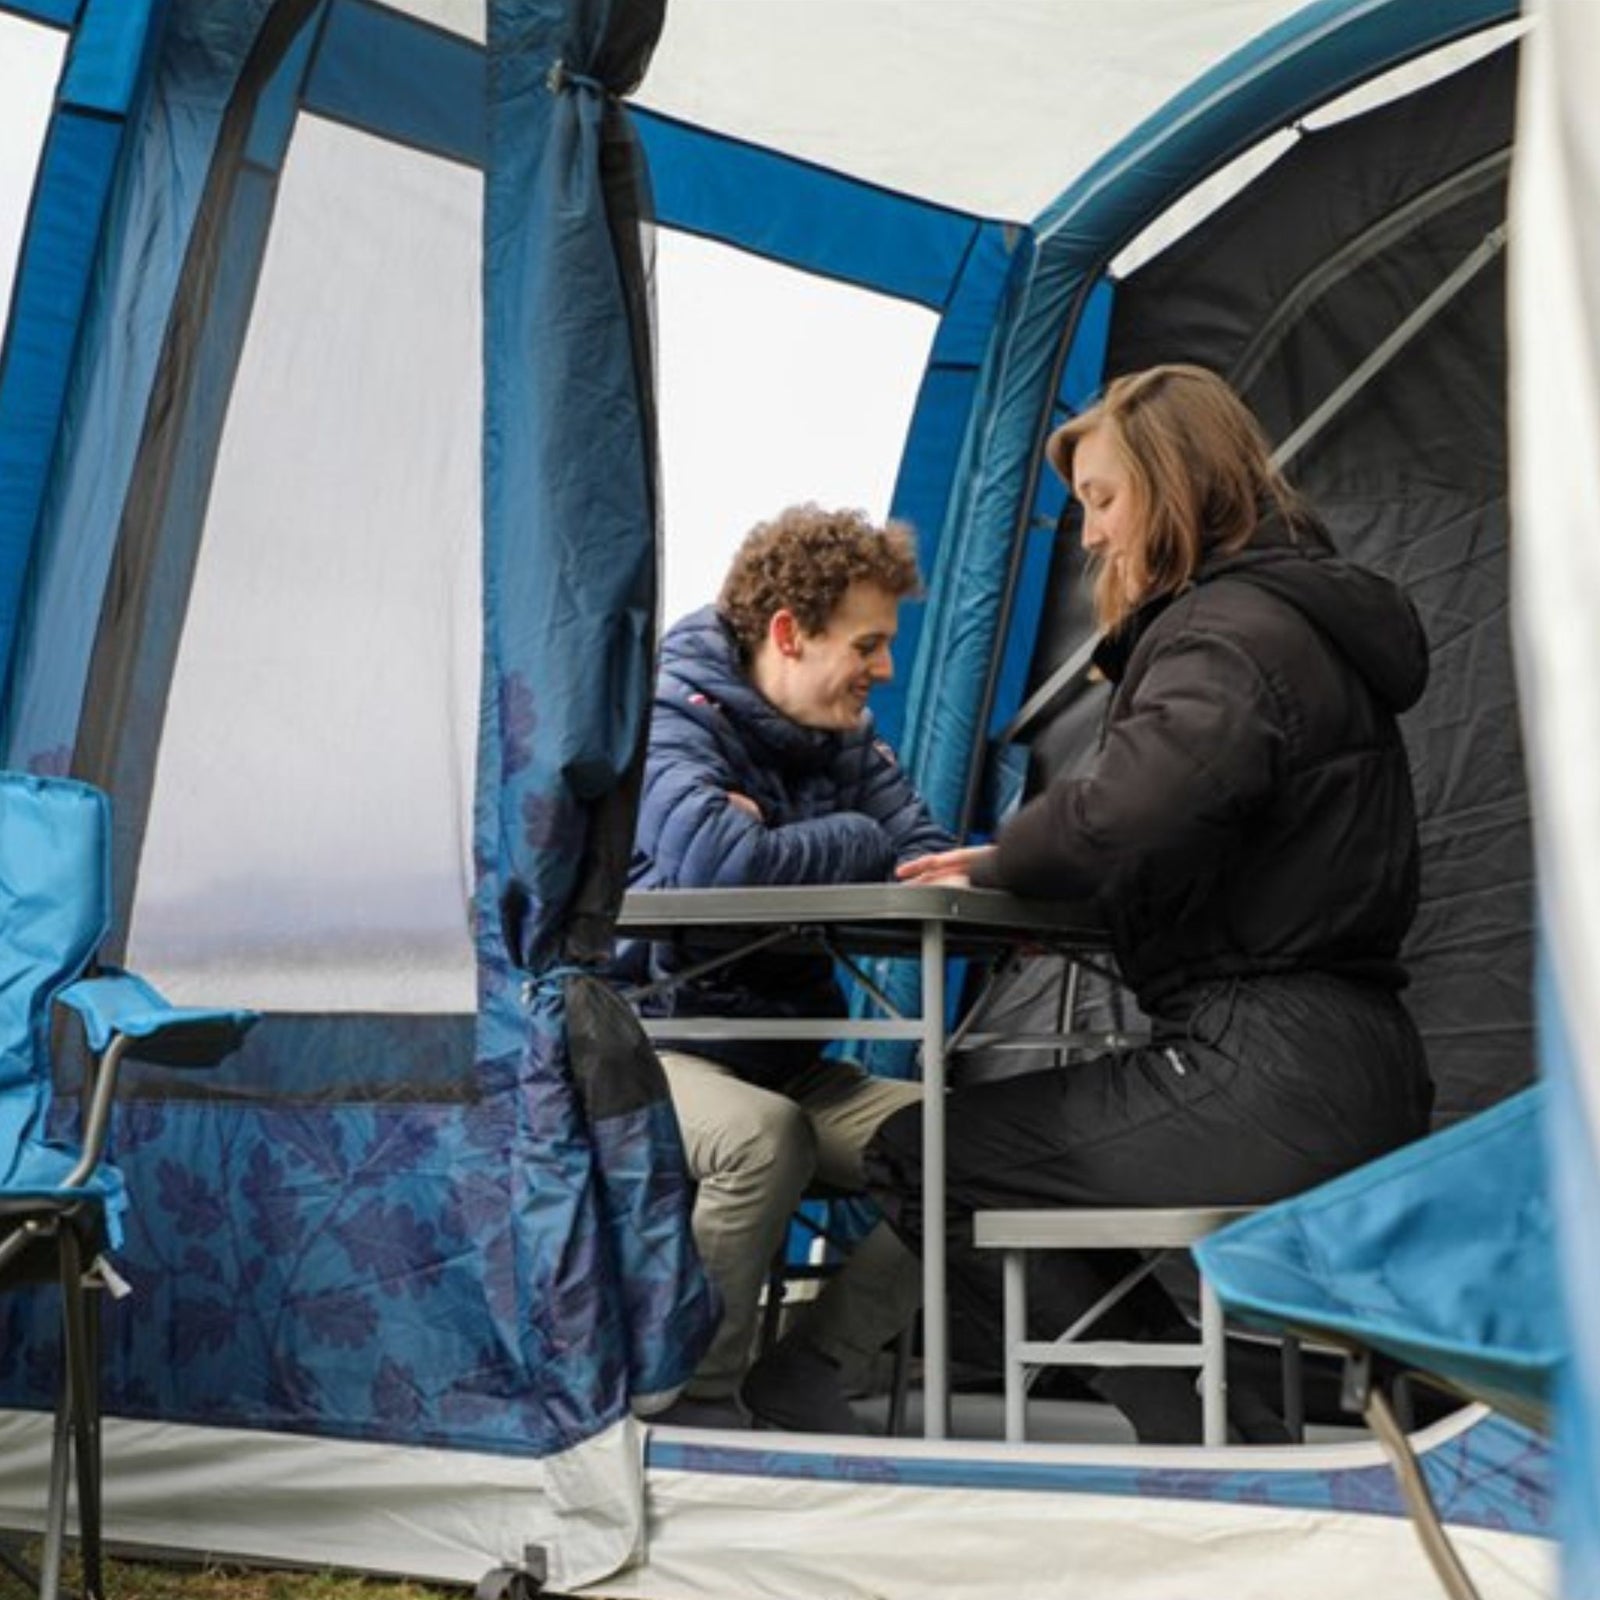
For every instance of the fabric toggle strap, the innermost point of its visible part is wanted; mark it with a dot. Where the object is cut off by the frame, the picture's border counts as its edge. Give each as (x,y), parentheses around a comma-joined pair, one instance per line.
(547,982)
(560,78)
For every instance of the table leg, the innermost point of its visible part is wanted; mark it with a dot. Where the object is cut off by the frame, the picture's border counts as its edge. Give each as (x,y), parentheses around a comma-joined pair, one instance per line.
(935,1317)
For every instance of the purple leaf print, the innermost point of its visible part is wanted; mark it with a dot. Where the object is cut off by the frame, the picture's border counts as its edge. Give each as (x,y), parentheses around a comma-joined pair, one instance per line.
(276,1219)
(478,1204)
(134,1397)
(396,1395)
(53,763)
(41,1365)
(12,1337)
(1371,1490)
(291,1388)
(316,1141)
(551,822)
(198,1263)
(393,1246)
(191,1202)
(140,1122)
(518,719)
(343,1319)
(201,1325)
(405,1145)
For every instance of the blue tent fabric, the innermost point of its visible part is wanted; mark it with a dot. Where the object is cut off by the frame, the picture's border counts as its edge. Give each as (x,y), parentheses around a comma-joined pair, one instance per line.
(1415,1256)
(569,619)
(60,12)
(501,1260)
(149,217)
(100,83)
(643,1185)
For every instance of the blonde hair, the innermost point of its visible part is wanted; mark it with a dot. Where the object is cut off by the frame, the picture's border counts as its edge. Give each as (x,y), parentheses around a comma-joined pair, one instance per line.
(1201,471)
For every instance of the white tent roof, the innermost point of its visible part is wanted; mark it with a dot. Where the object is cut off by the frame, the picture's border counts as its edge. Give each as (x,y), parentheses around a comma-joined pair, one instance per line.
(945,99)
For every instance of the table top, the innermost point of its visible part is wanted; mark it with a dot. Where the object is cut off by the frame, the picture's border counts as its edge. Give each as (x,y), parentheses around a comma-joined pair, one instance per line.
(864,916)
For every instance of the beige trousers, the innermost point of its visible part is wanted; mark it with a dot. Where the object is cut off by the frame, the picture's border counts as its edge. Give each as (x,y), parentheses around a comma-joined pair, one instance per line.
(753,1152)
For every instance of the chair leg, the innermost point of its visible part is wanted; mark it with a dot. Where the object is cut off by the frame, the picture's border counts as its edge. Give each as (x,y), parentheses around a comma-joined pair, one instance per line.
(1418,1498)
(900,1382)
(81,1316)
(53,1545)
(772,1308)
(1015,1288)
(1294,1393)
(1213,1368)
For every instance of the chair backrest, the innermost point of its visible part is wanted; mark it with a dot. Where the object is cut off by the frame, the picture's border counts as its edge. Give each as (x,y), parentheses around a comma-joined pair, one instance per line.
(55,899)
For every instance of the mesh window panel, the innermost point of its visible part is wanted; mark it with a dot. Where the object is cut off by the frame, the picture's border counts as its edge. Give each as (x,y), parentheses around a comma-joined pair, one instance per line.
(310,832)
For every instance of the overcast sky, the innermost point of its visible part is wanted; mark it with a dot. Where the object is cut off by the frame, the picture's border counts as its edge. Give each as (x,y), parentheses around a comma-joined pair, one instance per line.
(775,388)
(30,62)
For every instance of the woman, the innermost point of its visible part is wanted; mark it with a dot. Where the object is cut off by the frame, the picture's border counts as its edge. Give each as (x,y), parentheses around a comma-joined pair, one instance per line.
(1247,830)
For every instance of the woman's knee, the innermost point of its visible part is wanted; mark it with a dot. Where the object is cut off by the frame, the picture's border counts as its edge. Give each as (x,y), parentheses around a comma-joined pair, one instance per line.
(892,1163)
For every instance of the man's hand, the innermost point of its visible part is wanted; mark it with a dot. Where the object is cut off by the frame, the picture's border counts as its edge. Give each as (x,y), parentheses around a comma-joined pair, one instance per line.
(953,868)
(743,802)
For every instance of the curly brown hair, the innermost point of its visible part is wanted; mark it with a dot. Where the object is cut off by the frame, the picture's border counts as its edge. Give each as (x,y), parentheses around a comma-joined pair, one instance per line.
(803,560)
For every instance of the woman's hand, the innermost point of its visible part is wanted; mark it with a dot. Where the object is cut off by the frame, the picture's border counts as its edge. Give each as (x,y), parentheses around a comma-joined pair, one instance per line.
(952,868)
(743,802)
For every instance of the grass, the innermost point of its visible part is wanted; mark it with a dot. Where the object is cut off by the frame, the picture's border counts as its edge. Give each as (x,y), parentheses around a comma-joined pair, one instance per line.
(146,1580)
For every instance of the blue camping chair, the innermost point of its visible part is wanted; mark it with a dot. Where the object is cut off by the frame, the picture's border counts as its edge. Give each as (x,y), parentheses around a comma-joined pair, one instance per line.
(1437,1261)
(61,1203)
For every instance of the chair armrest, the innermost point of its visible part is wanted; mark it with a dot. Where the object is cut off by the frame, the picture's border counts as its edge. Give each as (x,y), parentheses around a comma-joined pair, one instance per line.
(171,1036)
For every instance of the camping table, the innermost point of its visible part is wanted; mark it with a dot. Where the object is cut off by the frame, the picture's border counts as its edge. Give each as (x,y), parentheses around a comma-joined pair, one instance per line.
(865,920)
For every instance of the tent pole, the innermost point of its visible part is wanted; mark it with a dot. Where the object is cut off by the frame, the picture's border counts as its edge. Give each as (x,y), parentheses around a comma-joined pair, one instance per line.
(1491,246)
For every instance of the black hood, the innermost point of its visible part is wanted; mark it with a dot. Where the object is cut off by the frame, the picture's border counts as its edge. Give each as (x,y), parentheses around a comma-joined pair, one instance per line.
(1369,618)
(1366,616)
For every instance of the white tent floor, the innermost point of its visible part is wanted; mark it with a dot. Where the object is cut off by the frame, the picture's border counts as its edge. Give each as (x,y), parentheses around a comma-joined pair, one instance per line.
(739,1516)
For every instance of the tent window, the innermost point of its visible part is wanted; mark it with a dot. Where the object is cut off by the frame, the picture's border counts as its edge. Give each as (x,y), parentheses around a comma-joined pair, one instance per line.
(310,830)
(30,65)
(466,17)
(776,387)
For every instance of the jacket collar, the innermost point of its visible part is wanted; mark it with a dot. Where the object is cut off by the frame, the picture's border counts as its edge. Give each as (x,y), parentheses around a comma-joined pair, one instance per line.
(702,652)
(1273,540)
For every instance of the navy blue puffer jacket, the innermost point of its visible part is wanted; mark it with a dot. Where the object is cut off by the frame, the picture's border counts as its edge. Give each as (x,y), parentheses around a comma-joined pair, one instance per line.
(835,808)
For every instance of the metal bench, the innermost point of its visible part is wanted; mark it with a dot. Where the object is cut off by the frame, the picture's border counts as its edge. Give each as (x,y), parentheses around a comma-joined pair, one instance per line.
(1018,1232)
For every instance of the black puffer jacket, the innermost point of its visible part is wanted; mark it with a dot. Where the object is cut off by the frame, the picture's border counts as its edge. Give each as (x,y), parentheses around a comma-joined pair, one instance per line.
(1250,810)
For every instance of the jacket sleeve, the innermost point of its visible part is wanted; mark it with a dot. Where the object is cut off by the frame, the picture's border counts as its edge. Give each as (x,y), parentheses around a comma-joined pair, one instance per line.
(1200,745)
(699,840)
(889,798)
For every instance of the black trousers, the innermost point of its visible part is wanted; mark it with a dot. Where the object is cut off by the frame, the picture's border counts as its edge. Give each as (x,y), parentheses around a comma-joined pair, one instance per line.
(1250,1090)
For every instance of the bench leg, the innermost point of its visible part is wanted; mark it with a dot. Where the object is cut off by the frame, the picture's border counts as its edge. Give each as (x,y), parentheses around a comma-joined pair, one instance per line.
(1016,1330)
(1294,1400)
(1213,1368)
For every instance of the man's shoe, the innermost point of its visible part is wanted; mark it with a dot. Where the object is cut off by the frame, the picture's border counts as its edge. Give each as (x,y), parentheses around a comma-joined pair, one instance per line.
(795,1388)
(724,1411)
(1252,1420)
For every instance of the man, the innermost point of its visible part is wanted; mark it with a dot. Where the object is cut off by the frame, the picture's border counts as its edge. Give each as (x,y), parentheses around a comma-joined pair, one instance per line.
(763,769)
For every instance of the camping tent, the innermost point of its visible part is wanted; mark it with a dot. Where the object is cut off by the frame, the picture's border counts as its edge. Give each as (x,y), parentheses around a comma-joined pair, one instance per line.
(327,516)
